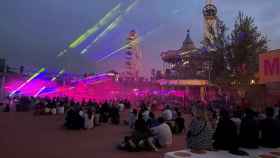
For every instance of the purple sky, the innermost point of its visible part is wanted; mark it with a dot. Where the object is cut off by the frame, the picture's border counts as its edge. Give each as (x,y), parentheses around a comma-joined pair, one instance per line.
(33,32)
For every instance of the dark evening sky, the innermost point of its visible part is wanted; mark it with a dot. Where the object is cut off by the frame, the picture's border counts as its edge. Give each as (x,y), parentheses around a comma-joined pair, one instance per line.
(33,32)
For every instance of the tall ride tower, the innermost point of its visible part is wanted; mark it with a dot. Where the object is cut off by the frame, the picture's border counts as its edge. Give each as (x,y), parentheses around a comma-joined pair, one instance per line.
(210,20)
(133,56)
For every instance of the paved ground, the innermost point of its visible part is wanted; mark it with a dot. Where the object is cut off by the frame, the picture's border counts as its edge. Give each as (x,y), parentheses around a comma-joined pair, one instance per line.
(23,135)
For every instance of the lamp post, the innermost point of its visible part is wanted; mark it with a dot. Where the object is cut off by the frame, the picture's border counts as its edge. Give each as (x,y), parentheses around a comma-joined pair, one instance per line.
(209,70)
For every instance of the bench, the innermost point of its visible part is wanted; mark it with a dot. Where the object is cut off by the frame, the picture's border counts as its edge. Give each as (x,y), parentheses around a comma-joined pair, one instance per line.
(256,153)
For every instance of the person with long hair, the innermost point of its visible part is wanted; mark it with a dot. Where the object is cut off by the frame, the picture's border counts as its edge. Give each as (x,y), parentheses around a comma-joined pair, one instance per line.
(226,136)
(270,129)
(199,135)
(249,130)
(179,123)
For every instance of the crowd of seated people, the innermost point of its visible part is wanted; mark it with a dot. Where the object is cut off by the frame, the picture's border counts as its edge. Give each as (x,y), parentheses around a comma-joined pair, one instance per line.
(91,114)
(78,115)
(151,132)
(232,130)
(78,118)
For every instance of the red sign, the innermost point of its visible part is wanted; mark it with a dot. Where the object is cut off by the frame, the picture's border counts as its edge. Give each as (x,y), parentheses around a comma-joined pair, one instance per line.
(269,67)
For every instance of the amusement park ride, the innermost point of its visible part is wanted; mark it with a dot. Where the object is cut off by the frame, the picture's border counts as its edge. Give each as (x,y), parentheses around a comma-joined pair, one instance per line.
(133,56)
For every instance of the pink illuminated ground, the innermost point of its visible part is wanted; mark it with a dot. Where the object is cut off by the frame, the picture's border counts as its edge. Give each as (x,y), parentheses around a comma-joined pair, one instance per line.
(24,136)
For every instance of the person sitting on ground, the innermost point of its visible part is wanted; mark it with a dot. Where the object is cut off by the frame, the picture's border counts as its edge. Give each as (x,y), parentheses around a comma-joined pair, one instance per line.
(162,135)
(47,110)
(53,110)
(179,123)
(199,136)
(7,108)
(2,107)
(249,131)
(225,136)
(139,139)
(89,117)
(270,129)
(152,121)
(60,109)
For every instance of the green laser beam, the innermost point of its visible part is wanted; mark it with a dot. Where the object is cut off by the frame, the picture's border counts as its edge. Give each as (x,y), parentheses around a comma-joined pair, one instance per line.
(112,26)
(104,21)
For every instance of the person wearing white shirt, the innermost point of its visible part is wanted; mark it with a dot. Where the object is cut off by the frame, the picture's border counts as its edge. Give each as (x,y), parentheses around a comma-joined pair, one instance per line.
(89,117)
(81,113)
(47,110)
(132,117)
(162,134)
(60,109)
(167,114)
(121,107)
(146,115)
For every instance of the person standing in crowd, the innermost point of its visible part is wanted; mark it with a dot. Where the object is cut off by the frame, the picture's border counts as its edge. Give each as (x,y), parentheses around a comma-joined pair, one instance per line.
(179,123)
(200,132)
(115,115)
(278,117)
(270,130)
(175,112)
(97,116)
(236,118)
(276,109)
(80,117)
(89,117)
(249,132)
(121,106)
(70,119)
(146,113)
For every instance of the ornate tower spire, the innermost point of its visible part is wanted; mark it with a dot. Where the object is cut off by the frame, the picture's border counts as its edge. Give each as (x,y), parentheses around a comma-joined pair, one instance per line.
(210,20)
(188,43)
